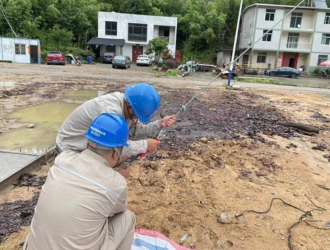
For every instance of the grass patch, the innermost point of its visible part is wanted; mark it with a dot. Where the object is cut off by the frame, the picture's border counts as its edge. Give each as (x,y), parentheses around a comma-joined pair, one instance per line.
(264,81)
(172,72)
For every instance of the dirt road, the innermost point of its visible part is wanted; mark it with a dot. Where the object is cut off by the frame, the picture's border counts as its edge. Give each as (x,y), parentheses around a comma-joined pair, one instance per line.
(227,154)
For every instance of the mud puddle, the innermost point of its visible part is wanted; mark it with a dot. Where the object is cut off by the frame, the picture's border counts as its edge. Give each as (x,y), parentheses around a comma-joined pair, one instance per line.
(46,118)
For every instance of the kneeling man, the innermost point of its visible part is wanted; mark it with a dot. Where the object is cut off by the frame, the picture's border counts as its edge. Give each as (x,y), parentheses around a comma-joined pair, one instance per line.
(83,204)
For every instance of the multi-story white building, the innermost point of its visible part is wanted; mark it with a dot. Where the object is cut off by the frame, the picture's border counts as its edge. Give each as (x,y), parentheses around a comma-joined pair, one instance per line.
(130,34)
(302,38)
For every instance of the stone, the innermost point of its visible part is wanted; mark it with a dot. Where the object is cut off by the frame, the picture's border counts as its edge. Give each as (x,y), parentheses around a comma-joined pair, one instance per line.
(225,218)
(31,125)
(204,140)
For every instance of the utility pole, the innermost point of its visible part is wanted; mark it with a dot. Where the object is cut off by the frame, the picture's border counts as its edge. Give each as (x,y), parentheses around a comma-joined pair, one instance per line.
(235,42)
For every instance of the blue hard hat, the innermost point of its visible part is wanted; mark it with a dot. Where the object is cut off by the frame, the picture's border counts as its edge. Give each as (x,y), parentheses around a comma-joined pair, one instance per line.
(144,100)
(109,130)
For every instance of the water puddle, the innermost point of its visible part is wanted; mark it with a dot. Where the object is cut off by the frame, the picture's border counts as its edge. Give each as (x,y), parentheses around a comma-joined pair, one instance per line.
(47,118)
(8,84)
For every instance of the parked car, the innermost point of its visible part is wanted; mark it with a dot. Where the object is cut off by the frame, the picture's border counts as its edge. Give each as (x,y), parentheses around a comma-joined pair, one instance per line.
(284,71)
(143,60)
(121,62)
(55,57)
(108,57)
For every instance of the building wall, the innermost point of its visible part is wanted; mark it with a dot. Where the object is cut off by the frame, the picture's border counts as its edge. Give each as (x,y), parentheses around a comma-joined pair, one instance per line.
(263,24)
(122,27)
(247,29)
(7,50)
(270,56)
(273,45)
(317,46)
(307,23)
(320,26)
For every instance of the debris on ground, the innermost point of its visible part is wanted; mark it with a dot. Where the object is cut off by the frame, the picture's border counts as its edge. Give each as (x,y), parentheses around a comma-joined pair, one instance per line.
(225,218)
(30,180)
(15,215)
(320,117)
(31,125)
(320,147)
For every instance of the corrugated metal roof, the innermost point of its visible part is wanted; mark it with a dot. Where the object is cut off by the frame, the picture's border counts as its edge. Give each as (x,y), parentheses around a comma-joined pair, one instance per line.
(12,162)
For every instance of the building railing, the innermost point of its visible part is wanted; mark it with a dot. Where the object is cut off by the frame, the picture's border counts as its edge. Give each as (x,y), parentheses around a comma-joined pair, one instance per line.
(303,27)
(295,46)
(137,38)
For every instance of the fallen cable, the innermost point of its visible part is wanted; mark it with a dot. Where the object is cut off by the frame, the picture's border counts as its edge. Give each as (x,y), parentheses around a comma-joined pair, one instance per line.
(301,219)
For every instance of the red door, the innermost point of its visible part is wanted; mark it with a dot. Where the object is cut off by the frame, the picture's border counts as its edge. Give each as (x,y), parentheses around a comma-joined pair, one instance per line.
(137,50)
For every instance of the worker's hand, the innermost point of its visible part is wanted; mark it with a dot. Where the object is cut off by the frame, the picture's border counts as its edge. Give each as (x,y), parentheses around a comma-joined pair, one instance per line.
(152,145)
(167,122)
(124,171)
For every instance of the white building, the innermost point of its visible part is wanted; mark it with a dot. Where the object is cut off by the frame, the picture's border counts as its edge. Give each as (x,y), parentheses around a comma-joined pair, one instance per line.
(302,38)
(130,34)
(20,50)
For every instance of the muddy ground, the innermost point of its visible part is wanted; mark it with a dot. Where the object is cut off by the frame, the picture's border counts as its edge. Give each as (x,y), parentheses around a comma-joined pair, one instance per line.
(226,154)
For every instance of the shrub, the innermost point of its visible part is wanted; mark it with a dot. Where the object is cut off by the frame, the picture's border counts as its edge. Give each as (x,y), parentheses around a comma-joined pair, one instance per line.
(171,63)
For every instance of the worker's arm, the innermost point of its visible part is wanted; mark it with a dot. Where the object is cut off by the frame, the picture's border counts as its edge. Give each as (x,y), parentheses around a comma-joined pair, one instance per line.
(121,203)
(152,129)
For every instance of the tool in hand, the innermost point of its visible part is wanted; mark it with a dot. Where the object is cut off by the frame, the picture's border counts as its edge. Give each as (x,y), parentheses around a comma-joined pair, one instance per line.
(143,155)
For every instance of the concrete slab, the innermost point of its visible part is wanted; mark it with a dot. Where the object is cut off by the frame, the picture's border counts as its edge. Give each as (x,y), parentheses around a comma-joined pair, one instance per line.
(12,162)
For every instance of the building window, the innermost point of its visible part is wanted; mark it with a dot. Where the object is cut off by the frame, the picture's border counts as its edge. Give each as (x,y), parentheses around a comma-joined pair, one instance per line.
(325,39)
(111,28)
(268,37)
(327,18)
(270,15)
(322,58)
(137,32)
(296,20)
(20,49)
(261,57)
(293,39)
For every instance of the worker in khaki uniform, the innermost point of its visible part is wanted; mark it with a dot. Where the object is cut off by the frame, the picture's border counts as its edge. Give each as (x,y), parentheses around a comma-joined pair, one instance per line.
(139,103)
(83,204)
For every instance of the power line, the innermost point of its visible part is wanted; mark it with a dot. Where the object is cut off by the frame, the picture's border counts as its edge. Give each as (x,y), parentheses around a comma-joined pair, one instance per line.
(2,10)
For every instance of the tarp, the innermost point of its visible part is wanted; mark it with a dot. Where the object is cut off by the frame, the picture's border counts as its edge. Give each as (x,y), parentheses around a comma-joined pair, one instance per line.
(150,240)
(104,41)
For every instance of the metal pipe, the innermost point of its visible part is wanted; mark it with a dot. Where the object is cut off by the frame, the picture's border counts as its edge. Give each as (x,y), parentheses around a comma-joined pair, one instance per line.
(235,43)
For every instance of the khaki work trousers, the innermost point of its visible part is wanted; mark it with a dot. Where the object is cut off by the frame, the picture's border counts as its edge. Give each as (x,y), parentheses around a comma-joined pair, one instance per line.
(121,232)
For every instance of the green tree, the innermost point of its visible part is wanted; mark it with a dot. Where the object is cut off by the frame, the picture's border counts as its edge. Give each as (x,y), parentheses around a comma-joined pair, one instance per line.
(158,45)
(143,7)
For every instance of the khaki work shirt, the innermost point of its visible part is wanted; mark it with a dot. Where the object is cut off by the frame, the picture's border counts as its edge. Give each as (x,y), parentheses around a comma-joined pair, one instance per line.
(71,135)
(81,192)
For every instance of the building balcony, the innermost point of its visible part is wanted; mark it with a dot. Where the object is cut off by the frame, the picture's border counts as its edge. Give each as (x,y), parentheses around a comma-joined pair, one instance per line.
(298,30)
(295,46)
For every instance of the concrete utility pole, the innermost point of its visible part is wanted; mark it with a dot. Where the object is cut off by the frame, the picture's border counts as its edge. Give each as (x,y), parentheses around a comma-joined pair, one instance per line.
(235,42)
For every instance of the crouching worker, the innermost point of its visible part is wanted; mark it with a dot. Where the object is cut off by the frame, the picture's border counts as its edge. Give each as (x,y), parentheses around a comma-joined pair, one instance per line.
(83,204)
